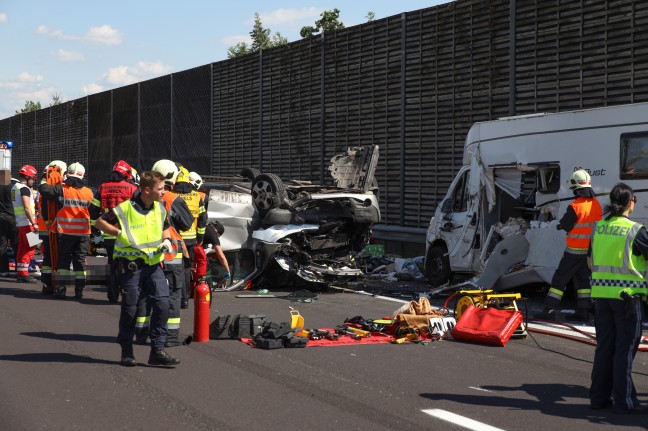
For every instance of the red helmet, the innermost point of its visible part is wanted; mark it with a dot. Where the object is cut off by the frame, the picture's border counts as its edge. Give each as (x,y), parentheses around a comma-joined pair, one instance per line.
(123,168)
(28,171)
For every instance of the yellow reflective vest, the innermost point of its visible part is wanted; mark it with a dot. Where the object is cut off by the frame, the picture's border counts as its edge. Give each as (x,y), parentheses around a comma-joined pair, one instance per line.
(141,235)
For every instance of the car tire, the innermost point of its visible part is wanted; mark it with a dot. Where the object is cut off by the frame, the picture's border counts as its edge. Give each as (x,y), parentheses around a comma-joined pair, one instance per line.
(250,173)
(268,192)
(437,266)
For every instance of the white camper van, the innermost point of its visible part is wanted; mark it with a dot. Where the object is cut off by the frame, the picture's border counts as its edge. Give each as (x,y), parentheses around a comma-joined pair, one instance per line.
(498,219)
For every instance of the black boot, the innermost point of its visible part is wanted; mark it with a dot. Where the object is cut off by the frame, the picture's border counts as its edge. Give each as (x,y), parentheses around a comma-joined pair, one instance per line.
(78,292)
(581,315)
(160,357)
(128,358)
(546,314)
(60,292)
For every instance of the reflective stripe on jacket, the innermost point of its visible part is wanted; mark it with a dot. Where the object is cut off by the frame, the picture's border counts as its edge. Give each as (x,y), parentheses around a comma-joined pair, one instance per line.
(74,217)
(179,247)
(112,193)
(141,235)
(614,266)
(588,212)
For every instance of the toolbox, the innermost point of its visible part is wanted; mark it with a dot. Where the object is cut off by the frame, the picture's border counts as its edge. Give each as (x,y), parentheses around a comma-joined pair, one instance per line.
(268,343)
(295,342)
(246,326)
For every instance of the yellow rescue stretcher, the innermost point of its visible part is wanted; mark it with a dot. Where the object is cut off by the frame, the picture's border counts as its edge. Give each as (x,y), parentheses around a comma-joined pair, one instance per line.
(486,298)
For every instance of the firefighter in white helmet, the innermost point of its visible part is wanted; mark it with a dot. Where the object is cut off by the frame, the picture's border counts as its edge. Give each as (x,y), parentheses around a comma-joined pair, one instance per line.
(72,227)
(578,221)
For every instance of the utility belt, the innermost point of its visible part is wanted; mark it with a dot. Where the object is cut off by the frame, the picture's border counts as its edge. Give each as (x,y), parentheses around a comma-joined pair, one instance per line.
(126,265)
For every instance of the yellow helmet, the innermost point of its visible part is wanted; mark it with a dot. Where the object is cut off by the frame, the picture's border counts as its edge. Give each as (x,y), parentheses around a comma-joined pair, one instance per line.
(183,176)
(580,179)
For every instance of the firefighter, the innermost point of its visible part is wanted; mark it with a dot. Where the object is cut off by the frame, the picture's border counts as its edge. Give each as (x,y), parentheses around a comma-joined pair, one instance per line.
(618,254)
(578,221)
(141,228)
(44,225)
(115,190)
(72,228)
(193,236)
(24,211)
(180,218)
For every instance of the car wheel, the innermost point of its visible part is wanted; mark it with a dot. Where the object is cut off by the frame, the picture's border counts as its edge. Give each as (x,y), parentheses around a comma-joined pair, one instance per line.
(268,191)
(250,173)
(437,266)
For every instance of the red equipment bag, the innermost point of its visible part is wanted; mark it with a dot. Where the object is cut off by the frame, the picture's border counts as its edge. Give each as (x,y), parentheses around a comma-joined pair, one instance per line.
(487,325)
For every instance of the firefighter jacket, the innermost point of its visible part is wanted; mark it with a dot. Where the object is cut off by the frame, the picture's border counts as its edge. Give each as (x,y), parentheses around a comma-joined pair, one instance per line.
(74,217)
(141,234)
(179,219)
(614,266)
(40,220)
(17,192)
(108,196)
(588,212)
(196,204)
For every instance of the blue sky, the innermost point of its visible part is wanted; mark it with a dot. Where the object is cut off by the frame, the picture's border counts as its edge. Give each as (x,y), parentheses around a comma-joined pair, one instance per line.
(73,48)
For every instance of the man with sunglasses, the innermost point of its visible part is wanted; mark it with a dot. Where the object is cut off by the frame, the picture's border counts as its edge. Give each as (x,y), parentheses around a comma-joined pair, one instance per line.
(578,221)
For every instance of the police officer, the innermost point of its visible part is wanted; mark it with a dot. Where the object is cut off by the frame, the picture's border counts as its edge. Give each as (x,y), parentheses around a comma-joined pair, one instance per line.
(193,236)
(617,258)
(8,232)
(578,221)
(141,228)
(72,227)
(180,219)
(115,190)
(24,210)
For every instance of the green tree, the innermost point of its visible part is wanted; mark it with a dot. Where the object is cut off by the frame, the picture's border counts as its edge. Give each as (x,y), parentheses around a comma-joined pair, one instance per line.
(329,21)
(30,106)
(370,16)
(261,39)
(56,99)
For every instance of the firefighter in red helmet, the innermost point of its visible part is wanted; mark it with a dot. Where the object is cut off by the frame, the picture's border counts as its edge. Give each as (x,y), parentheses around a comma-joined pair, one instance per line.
(117,188)
(24,210)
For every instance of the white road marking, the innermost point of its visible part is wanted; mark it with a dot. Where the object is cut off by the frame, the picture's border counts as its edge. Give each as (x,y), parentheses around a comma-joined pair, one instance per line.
(461,421)
(478,389)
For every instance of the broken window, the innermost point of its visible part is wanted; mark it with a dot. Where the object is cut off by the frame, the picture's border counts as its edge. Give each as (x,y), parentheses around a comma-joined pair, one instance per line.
(634,156)
(548,179)
(460,194)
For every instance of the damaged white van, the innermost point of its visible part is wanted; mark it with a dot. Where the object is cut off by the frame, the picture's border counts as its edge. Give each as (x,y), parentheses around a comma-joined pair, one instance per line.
(498,219)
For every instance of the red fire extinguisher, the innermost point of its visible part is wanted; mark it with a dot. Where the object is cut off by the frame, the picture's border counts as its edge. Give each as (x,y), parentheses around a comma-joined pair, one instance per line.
(202,302)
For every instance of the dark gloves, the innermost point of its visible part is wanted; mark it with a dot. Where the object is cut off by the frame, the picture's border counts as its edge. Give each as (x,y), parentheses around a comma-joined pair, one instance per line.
(200,238)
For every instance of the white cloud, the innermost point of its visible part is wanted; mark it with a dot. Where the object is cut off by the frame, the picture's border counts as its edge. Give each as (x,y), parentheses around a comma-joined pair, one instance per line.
(289,17)
(28,77)
(3,17)
(68,56)
(124,75)
(233,40)
(103,35)
(92,89)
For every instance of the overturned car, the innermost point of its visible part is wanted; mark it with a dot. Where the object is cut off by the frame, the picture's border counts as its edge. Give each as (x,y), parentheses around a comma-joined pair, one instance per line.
(296,232)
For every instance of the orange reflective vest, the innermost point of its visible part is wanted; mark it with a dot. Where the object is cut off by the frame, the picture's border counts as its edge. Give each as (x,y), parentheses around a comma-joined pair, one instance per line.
(178,245)
(74,217)
(588,212)
(42,227)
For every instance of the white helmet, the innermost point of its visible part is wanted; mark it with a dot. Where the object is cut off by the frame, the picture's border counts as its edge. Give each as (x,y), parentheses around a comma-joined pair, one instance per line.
(58,163)
(135,178)
(76,170)
(580,179)
(168,169)
(195,180)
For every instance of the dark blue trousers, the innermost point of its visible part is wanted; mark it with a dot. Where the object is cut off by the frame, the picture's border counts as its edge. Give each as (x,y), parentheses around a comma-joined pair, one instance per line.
(147,283)
(618,332)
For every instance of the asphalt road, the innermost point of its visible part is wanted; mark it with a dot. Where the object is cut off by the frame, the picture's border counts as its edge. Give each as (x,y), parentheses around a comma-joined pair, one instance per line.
(59,370)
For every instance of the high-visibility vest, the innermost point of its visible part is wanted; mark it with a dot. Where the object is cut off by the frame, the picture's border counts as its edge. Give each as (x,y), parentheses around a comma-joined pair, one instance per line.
(588,212)
(19,208)
(614,266)
(141,235)
(74,217)
(112,193)
(177,243)
(195,204)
